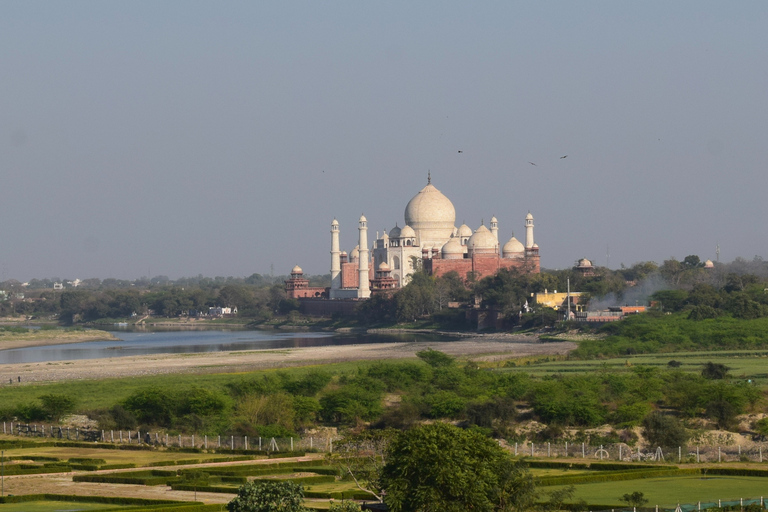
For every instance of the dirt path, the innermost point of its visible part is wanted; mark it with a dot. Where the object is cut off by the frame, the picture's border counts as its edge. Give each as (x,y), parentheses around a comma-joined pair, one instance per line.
(485,348)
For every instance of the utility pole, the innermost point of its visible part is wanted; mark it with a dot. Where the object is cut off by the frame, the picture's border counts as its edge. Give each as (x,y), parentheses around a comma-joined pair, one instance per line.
(717,252)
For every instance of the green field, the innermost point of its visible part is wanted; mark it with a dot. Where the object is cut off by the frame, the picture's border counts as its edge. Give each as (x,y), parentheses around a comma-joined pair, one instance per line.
(668,492)
(57,506)
(747,364)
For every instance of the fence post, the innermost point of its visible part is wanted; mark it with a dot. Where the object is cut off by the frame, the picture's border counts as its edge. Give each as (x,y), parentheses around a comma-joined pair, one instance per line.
(679,454)
(291,443)
(601,452)
(697,454)
(193,440)
(166,439)
(718,454)
(206,441)
(77,434)
(619,452)
(583,451)
(515,449)
(121,435)
(549,453)
(566,449)
(330,444)
(129,436)
(259,444)
(245,440)
(4,428)
(532,449)
(112,436)
(761,454)
(219,442)
(310,443)
(179,440)
(232,443)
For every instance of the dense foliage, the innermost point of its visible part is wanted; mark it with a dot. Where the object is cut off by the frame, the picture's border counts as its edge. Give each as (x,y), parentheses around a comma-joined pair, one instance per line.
(441,467)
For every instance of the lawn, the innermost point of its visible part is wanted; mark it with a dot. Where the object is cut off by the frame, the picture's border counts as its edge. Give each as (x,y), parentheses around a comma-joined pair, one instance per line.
(138,457)
(668,492)
(747,364)
(58,506)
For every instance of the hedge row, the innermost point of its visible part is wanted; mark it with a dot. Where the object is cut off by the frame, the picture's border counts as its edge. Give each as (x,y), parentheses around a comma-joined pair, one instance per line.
(595,466)
(112,500)
(340,495)
(614,476)
(734,472)
(82,460)
(321,479)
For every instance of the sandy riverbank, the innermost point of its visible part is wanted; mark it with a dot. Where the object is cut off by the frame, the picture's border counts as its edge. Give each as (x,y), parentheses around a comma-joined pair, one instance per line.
(485,347)
(39,338)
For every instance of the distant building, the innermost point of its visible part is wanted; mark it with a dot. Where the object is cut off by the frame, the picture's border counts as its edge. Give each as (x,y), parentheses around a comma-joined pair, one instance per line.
(584,267)
(558,301)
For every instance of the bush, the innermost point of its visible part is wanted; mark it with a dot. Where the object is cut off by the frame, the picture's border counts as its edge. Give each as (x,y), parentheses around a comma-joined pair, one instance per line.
(664,431)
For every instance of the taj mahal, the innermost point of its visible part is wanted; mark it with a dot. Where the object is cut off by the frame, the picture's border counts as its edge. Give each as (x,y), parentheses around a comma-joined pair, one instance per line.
(429,240)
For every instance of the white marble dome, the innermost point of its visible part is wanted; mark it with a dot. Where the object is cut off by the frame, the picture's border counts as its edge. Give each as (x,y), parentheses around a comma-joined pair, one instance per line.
(452,250)
(464,231)
(431,215)
(482,241)
(407,232)
(513,249)
(296,270)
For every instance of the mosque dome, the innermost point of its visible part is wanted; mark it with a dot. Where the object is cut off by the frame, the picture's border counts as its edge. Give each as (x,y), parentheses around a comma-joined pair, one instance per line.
(355,254)
(407,232)
(394,232)
(335,222)
(584,262)
(529,216)
(464,231)
(513,248)
(709,264)
(452,250)
(384,267)
(431,215)
(296,270)
(494,219)
(482,241)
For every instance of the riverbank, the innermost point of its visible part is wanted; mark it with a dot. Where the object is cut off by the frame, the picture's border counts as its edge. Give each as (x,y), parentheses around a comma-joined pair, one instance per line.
(481,348)
(42,337)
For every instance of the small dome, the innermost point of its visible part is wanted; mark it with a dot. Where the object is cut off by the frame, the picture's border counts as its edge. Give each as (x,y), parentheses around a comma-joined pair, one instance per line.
(384,267)
(513,247)
(355,254)
(584,262)
(452,249)
(343,253)
(529,216)
(394,232)
(464,230)
(363,219)
(335,222)
(407,232)
(482,241)
(535,246)
(494,219)
(709,264)
(297,270)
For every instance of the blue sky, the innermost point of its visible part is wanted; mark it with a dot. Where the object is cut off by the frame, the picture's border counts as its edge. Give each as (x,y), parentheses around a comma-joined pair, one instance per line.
(220,138)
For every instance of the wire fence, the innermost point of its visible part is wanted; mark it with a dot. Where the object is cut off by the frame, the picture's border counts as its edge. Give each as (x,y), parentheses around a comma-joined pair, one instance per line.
(625,453)
(149,438)
(742,504)
(620,452)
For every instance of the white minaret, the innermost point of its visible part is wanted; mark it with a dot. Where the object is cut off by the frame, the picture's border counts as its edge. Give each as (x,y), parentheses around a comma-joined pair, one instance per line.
(529,231)
(335,256)
(495,227)
(364,285)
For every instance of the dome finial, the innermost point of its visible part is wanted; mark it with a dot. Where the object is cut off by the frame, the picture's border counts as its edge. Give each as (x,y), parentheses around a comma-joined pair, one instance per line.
(429,177)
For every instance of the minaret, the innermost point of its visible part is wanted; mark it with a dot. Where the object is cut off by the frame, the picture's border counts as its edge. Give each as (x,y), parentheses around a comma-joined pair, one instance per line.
(495,227)
(335,256)
(364,285)
(529,231)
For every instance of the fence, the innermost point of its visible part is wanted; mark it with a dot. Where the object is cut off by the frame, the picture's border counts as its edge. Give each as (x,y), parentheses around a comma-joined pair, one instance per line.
(205,442)
(626,453)
(740,504)
(609,452)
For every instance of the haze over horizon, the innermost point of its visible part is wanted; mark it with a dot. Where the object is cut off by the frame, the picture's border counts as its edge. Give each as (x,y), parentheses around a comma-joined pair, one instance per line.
(184,138)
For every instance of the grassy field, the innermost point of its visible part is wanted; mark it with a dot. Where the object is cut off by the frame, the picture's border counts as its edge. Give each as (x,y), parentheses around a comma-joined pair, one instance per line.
(138,457)
(747,364)
(668,492)
(103,393)
(57,506)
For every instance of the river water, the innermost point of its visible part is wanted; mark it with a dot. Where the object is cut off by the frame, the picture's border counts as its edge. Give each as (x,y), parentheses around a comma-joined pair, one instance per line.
(158,341)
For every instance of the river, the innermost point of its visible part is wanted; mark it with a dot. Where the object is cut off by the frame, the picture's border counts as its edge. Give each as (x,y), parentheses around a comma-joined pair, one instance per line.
(163,341)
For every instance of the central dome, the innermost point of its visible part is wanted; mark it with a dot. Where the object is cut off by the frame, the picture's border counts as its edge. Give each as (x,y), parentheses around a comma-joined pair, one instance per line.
(431,215)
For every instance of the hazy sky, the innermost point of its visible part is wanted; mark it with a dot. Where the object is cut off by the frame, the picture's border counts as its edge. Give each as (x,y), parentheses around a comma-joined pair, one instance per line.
(218,138)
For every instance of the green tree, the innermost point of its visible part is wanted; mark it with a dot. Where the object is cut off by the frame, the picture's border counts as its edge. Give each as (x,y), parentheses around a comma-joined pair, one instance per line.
(268,497)
(664,431)
(635,499)
(714,371)
(440,467)
(435,358)
(362,458)
(57,406)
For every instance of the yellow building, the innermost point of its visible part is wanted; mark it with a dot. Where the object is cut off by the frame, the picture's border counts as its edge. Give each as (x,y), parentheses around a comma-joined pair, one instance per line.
(557,300)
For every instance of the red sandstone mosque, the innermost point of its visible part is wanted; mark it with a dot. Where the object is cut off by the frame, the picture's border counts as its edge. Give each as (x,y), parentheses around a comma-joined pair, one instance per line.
(429,239)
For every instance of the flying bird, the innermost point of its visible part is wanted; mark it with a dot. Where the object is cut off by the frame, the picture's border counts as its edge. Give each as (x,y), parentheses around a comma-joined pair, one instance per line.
(460,151)
(532,163)
(565,156)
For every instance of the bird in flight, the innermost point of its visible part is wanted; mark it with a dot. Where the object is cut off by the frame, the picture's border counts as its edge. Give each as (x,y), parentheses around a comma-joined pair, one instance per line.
(532,163)
(460,151)
(565,156)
